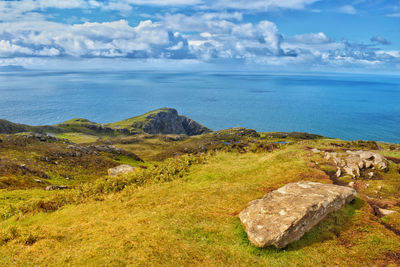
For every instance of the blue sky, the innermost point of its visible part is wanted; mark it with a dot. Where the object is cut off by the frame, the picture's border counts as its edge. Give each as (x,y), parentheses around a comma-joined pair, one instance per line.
(281,35)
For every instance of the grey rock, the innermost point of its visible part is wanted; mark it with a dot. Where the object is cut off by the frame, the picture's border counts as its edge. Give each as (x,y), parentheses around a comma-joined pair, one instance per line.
(285,215)
(338,172)
(56,187)
(120,170)
(385,212)
(352,162)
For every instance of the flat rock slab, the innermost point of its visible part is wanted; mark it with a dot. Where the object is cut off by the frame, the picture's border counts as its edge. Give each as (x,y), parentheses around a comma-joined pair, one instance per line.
(285,215)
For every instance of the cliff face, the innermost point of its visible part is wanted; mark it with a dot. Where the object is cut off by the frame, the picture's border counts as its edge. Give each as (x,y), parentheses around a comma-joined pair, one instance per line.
(167,121)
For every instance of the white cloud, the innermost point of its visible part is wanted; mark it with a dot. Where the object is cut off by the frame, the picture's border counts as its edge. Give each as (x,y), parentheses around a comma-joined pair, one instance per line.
(392,53)
(35,9)
(32,10)
(165,2)
(311,38)
(8,49)
(203,36)
(217,36)
(347,9)
(380,40)
(260,4)
(394,15)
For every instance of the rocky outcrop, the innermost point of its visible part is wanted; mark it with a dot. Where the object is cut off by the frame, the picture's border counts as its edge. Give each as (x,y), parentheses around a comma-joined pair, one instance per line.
(285,215)
(353,162)
(7,127)
(167,121)
(56,187)
(120,170)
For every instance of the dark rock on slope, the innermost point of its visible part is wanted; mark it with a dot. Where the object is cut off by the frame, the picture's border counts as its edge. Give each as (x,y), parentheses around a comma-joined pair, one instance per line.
(167,121)
(8,127)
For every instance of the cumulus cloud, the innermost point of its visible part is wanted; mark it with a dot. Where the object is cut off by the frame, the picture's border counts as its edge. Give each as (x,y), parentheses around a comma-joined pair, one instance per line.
(204,36)
(380,40)
(108,39)
(218,37)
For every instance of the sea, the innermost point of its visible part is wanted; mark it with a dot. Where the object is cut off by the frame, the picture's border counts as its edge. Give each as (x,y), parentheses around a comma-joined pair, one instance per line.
(350,107)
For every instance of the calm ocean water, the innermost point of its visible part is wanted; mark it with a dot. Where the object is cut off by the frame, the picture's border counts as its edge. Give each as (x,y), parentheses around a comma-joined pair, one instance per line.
(344,106)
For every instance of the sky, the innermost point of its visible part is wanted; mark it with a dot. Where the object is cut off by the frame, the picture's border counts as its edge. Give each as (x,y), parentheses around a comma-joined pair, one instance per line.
(281,35)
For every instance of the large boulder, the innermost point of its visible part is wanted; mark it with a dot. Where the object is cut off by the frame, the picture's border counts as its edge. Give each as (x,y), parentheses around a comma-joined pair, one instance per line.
(285,215)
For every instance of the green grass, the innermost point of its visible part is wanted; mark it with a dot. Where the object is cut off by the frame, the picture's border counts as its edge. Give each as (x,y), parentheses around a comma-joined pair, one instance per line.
(183,211)
(137,121)
(78,138)
(79,121)
(192,221)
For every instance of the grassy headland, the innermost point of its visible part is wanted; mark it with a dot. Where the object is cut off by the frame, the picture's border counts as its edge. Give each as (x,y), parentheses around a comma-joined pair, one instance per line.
(180,206)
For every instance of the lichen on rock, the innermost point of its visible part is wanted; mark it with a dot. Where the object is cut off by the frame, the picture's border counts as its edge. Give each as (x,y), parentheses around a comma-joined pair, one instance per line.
(285,215)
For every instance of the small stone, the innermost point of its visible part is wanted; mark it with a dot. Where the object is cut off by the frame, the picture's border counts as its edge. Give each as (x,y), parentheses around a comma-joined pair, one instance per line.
(315,150)
(367,185)
(380,187)
(120,170)
(371,175)
(38,181)
(351,184)
(385,212)
(56,187)
(338,172)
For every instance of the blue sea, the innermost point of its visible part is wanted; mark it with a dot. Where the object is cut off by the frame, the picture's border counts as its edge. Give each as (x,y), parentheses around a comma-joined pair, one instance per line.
(350,107)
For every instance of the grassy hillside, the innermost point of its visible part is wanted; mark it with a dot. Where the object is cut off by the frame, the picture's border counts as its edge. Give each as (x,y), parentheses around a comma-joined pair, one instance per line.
(152,122)
(180,208)
(137,121)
